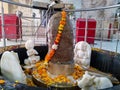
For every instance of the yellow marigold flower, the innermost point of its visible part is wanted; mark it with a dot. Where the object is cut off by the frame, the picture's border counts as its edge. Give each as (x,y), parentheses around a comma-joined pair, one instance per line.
(60,28)
(16,81)
(59,31)
(46,62)
(63,19)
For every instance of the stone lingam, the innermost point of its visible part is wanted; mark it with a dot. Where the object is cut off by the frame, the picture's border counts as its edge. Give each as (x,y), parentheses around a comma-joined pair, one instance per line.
(58,68)
(62,60)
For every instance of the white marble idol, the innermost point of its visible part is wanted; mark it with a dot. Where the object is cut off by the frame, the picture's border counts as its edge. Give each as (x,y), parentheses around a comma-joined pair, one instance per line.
(32,54)
(86,82)
(89,82)
(82,54)
(11,68)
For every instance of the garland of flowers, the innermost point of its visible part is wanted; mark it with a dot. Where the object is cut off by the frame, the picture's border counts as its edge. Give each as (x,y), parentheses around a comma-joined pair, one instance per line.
(57,39)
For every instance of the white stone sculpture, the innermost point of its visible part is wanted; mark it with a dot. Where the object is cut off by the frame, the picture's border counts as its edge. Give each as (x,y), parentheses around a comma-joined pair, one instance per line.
(11,68)
(86,83)
(82,54)
(89,82)
(32,54)
(102,83)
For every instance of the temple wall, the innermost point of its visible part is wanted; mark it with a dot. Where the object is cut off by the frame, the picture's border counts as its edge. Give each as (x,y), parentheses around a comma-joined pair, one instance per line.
(5,5)
(103,17)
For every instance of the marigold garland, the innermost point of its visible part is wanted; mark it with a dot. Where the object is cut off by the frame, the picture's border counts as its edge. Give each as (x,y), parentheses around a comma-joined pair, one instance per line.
(57,38)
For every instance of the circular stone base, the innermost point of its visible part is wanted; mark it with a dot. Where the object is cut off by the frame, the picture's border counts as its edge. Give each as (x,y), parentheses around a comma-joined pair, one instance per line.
(39,83)
(58,68)
(43,78)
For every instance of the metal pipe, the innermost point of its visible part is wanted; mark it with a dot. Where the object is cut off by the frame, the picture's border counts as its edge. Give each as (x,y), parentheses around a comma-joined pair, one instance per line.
(86,27)
(30,17)
(72,10)
(42,20)
(101,34)
(92,9)
(117,42)
(3,29)
(15,3)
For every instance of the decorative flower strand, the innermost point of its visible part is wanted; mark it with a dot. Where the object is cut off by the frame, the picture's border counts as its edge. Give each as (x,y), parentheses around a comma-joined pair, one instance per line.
(57,38)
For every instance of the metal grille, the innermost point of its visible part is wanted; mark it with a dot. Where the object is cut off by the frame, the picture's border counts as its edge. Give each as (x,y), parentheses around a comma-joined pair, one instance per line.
(107,33)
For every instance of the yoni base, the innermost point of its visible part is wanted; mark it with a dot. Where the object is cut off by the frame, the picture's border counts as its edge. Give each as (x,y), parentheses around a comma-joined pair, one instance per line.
(58,68)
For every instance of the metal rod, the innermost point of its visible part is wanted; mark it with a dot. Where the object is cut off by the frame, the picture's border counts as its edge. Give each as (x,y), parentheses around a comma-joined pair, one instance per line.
(86,27)
(31,17)
(92,9)
(3,29)
(72,10)
(20,31)
(101,34)
(15,3)
(42,20)
(118,34)
(116,50)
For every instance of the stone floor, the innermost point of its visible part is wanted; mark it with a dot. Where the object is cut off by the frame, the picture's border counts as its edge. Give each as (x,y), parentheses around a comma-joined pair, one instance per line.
(106,45)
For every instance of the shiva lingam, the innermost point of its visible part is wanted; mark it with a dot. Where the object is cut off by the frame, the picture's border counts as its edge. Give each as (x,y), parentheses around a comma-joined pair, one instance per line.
(61,44)
(58,68)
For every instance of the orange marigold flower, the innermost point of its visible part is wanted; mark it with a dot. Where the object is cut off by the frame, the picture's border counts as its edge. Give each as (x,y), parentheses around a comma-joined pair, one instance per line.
(57,39)
(59,35)
(63,13)
(2,81)
(63,16)
(37,64)
(62,22)
(52,52)
(56,42)
(47,57)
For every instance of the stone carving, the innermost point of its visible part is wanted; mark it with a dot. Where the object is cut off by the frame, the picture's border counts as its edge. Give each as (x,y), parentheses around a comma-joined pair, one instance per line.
(82,54)
(11,68)
(89,82)
(32,54)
